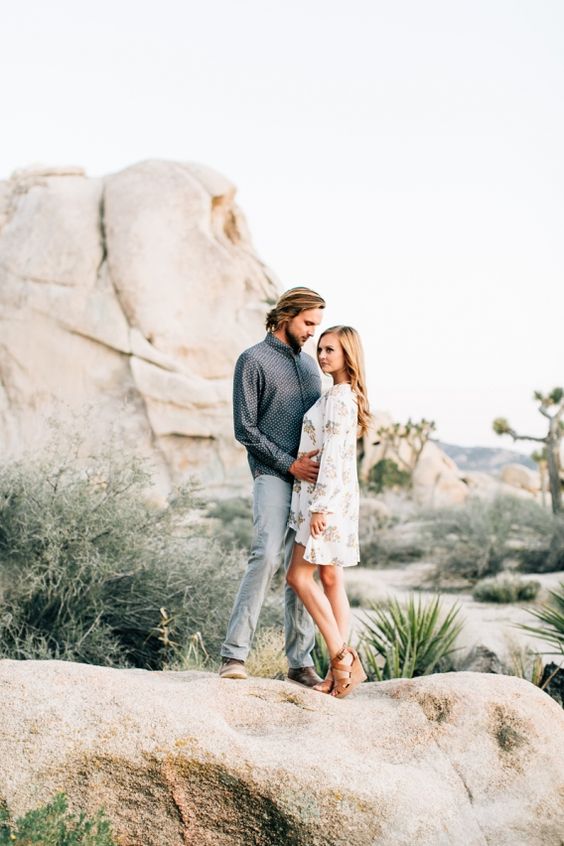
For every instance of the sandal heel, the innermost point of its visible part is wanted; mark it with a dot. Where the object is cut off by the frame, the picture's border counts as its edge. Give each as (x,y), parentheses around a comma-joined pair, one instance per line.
(355,671)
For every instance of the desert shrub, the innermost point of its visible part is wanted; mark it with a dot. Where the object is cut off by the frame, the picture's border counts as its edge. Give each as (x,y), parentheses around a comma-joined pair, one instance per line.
(356,595)
(405,641)
(90,572)
(551,617)
(234,518)
(382,546)
(474,540)
(386,474)
(54,825)
(267,658)
(386,550)
(505,588)
(193,655)
(541,547)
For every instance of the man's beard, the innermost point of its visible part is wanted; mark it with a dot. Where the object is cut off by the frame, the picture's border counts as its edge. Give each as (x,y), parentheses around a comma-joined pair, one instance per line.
(294,341)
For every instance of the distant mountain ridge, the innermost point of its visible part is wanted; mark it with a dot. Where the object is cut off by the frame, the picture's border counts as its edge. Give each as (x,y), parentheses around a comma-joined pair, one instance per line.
(485,459)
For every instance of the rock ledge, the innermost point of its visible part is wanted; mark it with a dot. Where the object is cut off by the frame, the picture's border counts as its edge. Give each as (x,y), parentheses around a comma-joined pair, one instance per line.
(177,758)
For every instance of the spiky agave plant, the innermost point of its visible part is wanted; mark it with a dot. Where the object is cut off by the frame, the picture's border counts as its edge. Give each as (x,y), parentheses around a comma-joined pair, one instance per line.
(551,616)
(404,641)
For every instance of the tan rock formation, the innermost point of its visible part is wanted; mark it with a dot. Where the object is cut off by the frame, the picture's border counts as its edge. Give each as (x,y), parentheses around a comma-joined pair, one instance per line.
(436,479)
(519,476)
(130,296)
(487,486)
(176,758)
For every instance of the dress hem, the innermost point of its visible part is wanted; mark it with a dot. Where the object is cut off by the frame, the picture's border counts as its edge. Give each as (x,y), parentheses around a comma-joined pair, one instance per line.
(325,563)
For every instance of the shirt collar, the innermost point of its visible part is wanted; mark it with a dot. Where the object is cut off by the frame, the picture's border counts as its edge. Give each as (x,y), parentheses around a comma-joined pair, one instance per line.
(280,345)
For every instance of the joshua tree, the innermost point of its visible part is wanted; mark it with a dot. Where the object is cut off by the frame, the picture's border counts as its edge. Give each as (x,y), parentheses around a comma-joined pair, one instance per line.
(551,406)
(414,435)
(539,456)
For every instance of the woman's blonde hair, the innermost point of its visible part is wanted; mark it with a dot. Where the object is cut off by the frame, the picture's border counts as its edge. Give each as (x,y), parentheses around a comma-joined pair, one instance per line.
(290,304)
(354,362)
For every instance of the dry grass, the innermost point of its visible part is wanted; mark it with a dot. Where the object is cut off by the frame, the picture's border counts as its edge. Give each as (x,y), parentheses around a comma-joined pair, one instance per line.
(267,658)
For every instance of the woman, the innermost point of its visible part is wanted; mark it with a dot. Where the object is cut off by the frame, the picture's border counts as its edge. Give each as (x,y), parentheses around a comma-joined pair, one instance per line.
(325,515)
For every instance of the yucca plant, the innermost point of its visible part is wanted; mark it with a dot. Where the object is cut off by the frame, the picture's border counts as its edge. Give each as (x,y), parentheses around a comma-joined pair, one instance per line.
(320,655)
(551,615)
(405,641)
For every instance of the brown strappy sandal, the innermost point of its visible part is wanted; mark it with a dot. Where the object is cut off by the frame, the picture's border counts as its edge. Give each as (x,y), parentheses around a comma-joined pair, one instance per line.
(355,673)
(326,686)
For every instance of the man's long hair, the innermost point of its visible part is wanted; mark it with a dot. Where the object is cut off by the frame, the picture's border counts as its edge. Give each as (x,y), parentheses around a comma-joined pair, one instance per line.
(354,363)
(290,304)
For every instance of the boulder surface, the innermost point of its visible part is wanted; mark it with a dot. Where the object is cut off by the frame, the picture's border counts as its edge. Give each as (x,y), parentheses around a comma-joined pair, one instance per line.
(464,759)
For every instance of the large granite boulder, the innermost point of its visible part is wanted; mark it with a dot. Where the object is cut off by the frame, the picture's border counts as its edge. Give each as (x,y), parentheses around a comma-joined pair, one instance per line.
(437,480)
(127,299)
(462,759)
(521,477)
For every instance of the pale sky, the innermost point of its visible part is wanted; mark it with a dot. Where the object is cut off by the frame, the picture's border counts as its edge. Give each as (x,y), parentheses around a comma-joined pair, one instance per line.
(404,158)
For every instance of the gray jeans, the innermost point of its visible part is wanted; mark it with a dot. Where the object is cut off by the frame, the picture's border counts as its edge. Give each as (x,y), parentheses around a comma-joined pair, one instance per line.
(271,507)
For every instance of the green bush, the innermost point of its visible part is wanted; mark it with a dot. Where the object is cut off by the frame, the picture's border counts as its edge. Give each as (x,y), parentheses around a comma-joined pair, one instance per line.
(54,825)
(386,474)
(543,549)
(235,521)
(551,616)
(402,642)
(385,545)
(383,549)
(474,540)
(90,572)
(505,588)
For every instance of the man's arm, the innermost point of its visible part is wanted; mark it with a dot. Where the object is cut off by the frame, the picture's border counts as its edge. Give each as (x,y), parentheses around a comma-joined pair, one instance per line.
(247,385)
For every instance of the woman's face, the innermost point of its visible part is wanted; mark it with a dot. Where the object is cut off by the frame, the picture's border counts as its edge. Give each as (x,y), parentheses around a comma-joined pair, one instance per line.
(330,355)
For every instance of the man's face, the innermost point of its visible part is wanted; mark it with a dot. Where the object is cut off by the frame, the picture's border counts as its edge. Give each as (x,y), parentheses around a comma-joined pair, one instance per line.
(302,327)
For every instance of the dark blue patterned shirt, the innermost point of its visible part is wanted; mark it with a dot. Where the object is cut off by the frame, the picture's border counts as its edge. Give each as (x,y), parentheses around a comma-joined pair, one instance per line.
(273,387)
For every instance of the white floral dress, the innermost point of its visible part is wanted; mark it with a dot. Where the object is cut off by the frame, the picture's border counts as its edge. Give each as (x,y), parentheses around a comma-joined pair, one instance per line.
(330,426)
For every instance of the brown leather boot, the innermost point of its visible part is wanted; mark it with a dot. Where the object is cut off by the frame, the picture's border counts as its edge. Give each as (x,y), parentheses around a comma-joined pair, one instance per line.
(306,676)
(232,668)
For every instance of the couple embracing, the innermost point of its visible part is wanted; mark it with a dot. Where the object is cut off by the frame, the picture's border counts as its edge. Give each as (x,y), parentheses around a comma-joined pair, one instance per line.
(301,448)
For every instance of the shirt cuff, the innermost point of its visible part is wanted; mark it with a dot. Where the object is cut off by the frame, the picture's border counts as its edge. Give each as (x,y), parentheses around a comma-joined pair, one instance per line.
(286,464)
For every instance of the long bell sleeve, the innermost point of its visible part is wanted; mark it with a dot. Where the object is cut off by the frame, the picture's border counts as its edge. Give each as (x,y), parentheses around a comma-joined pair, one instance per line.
(339,417)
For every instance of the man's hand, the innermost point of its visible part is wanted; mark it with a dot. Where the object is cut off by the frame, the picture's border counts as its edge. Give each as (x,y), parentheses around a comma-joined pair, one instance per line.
(304,468)
(318,524)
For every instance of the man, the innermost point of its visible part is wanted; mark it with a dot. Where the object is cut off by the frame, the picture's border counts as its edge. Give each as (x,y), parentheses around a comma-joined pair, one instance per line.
(274,385)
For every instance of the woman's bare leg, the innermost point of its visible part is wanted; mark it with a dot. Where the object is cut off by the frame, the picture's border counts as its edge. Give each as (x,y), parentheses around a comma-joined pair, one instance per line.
(300,577)
(332,579)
